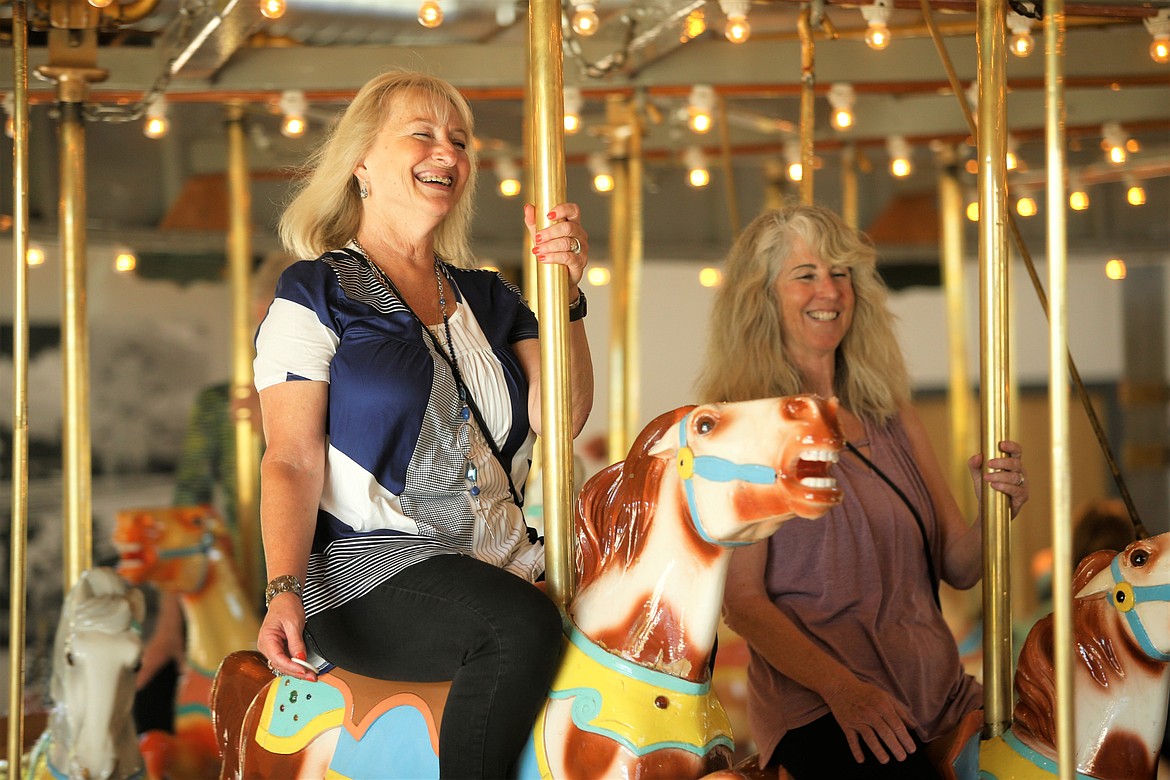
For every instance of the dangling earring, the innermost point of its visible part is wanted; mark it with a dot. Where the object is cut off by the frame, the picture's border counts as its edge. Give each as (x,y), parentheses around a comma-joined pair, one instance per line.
(363,190)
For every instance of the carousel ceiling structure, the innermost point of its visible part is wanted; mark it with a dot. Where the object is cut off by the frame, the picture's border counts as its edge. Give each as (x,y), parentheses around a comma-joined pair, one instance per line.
(166,194)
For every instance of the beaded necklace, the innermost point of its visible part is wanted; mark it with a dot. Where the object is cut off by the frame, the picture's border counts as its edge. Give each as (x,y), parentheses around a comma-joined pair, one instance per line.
(469,408)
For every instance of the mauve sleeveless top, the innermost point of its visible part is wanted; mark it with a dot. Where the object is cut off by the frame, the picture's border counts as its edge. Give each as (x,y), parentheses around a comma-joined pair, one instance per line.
(856,582)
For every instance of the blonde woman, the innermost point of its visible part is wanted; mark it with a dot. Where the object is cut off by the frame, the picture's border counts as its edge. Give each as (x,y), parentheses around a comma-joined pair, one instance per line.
(853,670)
(400,397)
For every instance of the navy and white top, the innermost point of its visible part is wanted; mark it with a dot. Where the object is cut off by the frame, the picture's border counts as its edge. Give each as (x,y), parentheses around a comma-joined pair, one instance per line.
(404,456)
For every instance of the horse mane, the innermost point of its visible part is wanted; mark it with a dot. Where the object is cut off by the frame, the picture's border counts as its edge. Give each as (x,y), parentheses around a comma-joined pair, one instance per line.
(1094,631)
(617,505)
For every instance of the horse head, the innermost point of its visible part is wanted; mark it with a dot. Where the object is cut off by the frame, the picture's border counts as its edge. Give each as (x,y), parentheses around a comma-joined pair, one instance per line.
(97,652)
(1121,627)
(172,547)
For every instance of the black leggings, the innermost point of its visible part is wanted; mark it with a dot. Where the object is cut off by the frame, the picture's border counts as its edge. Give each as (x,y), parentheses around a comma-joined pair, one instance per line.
(452,617)
(820,750)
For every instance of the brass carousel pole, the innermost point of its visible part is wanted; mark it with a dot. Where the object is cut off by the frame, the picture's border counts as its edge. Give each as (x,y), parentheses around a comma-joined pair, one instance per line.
(728,169)
(18,538)
(808,83)
(239,251)
(633,294)
(959,397)
(849,185)
(994,361)
(546,86)
(1058,385)
(620,355)
(73,66)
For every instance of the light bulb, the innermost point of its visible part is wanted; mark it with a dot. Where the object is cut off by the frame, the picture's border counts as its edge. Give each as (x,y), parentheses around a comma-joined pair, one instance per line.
(699,121)
(696,165)
(599,169)
(272,9)
(1010,161)
(292,127)
(430,14)
(100,3)
(1026,206)
(573,102)
(877,36)
(795,171)
(156,126)
(710,277)
(901,167)
(1115,269)
(1136,194)
(509,188)
(125,261)
(973,211)
(1160,49)
(585,19)
(699,177)
(34,256)
(1022,44)
(694,26)
(597,275)
(1078,200)
(603,182)
(737,29)
(842,119)
(10,127)
(841,98)
(1117,155)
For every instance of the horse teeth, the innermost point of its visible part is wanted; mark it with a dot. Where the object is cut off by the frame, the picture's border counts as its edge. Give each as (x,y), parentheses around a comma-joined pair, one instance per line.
(818,483)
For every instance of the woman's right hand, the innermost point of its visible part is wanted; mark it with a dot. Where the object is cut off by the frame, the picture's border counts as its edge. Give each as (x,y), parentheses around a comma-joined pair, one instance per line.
(281,637)
(866,712)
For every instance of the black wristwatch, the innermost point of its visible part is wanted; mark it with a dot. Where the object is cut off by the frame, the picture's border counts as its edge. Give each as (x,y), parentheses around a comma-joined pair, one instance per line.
(578,308)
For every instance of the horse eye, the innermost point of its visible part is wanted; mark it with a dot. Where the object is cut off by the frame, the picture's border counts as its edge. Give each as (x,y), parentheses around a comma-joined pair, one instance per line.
(1139,557)
(704,425)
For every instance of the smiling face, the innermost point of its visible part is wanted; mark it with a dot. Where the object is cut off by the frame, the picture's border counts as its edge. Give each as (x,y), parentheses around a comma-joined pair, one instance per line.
(816,302)
(418,165)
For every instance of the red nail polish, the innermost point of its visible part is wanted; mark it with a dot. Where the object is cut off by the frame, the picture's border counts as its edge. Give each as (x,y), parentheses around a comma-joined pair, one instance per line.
(539,238)
(552,215)
(300,655)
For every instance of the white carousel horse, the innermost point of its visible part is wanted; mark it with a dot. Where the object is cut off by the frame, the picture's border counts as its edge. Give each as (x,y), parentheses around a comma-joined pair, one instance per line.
(96,653)
(633,698)
(1121,625)
(185,550)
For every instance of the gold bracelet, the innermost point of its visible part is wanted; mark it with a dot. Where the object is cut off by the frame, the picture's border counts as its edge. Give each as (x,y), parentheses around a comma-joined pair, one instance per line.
(285,583)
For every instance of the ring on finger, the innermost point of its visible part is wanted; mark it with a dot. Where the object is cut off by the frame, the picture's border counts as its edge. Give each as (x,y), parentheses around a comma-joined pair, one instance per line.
(1021,482)
(574,245)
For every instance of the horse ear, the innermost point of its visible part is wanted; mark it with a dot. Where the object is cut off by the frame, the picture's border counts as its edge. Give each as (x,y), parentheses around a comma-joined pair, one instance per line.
(666,445)
(137,604)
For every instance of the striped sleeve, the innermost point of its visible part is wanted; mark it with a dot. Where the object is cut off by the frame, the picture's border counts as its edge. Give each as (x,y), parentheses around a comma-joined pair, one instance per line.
(296,340)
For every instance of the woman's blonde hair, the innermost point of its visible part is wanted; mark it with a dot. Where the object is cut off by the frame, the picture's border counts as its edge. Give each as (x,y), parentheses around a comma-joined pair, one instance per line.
(746,355)
(325,211)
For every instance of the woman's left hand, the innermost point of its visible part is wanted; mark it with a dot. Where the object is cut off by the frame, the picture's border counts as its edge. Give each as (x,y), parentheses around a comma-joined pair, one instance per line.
(564,241)
(1005,474)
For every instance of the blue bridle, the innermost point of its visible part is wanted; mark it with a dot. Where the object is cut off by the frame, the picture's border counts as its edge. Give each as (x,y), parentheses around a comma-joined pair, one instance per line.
(1126,597)
(714,469)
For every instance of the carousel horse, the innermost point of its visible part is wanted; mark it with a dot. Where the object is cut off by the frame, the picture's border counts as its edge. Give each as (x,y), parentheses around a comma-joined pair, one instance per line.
(633,697)
(185,550)
(96,653)
(1121,625)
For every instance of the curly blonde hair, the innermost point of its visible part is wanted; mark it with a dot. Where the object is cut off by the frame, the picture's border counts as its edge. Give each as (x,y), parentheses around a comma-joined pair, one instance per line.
(746,356)
(325,210)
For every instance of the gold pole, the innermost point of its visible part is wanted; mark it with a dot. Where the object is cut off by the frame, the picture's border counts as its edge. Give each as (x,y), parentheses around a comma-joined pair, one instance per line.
(728,170)
(960,401)
(77,49)
(546,82)
(633,294)
(808,83)
(239,256)
(1058,389)
(18,539)
(620,358)
(994,361)
(849,185)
